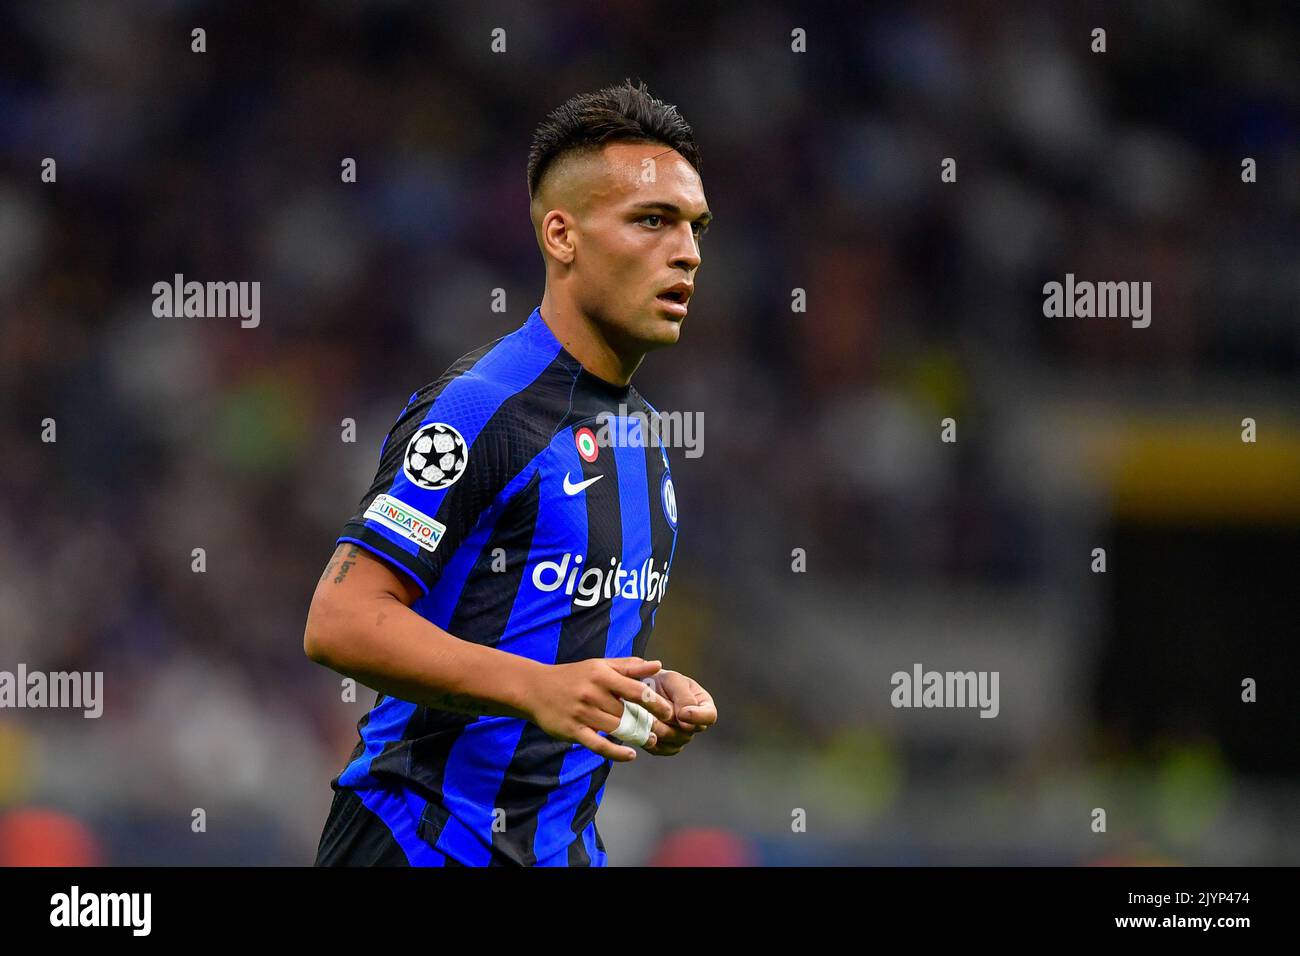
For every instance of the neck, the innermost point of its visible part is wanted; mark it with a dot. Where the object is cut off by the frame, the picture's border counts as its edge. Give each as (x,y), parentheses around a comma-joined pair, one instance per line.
(585,341)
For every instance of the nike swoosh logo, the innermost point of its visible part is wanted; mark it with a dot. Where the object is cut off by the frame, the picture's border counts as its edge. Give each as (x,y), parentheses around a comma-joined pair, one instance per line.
(571,489)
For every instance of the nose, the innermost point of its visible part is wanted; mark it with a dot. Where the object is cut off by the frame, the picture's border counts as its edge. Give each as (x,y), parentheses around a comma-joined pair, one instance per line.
(687,254)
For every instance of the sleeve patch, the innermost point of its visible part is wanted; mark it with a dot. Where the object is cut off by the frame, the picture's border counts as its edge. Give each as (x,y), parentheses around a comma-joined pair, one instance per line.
(409,523)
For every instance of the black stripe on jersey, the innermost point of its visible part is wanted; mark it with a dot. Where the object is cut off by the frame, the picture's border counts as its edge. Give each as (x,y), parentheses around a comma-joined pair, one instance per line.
(583,634)
(661,537)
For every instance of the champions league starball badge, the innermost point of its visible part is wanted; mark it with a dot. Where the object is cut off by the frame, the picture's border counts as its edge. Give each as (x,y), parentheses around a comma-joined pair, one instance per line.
(436,457)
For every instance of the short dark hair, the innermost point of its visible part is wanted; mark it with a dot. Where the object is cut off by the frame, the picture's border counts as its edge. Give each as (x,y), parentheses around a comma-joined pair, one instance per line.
(588,121)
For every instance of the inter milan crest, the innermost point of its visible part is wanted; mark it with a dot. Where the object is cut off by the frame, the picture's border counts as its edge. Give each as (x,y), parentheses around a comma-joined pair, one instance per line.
(669,498)
(436,457)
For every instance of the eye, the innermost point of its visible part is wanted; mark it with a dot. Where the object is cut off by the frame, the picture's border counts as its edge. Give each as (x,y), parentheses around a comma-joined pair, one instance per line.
(699,229)
(652,216)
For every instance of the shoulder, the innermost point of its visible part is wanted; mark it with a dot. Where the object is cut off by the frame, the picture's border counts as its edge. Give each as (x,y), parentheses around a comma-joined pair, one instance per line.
(668,429)
(514,368)
(461,371)
(638,402)
(505,400)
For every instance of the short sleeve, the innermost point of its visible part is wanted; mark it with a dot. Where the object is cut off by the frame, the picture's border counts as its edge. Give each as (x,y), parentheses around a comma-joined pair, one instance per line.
(443,463)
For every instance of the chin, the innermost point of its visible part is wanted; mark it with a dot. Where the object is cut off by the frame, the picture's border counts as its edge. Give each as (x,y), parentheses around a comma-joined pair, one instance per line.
(662,331)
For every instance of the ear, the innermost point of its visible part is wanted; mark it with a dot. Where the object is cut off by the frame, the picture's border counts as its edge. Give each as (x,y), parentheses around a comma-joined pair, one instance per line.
(558,236)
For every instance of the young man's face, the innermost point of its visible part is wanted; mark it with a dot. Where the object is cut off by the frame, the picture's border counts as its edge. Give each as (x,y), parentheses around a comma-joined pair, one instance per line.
(637,236)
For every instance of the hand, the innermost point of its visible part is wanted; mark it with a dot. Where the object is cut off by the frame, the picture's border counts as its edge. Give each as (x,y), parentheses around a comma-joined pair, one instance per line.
(574,701)
(693,712)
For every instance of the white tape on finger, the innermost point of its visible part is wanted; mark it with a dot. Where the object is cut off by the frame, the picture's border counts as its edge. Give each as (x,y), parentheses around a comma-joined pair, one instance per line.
(635,726)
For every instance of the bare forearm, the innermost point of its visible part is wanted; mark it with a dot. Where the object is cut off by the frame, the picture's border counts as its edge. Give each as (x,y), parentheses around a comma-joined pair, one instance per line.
(385,645)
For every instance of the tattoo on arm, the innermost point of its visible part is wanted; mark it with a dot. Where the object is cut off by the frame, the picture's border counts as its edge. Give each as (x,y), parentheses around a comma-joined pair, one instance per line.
(347,565)
(462,703)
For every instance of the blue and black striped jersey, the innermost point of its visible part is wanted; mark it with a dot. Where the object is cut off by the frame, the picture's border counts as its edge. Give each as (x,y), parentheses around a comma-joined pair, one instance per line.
(527,532)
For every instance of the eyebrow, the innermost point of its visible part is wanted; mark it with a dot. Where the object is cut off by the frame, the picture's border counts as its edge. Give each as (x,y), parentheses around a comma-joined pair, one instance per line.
(703,218)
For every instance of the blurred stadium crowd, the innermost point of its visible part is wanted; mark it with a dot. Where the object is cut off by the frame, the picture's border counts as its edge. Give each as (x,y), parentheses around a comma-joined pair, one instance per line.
(821,427)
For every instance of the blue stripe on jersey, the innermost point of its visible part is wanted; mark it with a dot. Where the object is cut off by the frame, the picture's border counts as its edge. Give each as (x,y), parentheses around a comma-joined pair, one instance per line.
(479,757)
(517,361)
(401,814)
(459,841)
(555,818)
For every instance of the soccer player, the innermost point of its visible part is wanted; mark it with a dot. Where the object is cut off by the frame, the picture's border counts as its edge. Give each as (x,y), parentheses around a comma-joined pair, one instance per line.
(499,582)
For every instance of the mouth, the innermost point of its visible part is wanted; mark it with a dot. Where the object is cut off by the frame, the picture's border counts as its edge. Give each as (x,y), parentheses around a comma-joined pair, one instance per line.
(673,299)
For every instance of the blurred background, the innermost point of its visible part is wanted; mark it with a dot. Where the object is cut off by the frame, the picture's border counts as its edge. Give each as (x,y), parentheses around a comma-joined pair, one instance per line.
(1118,690)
